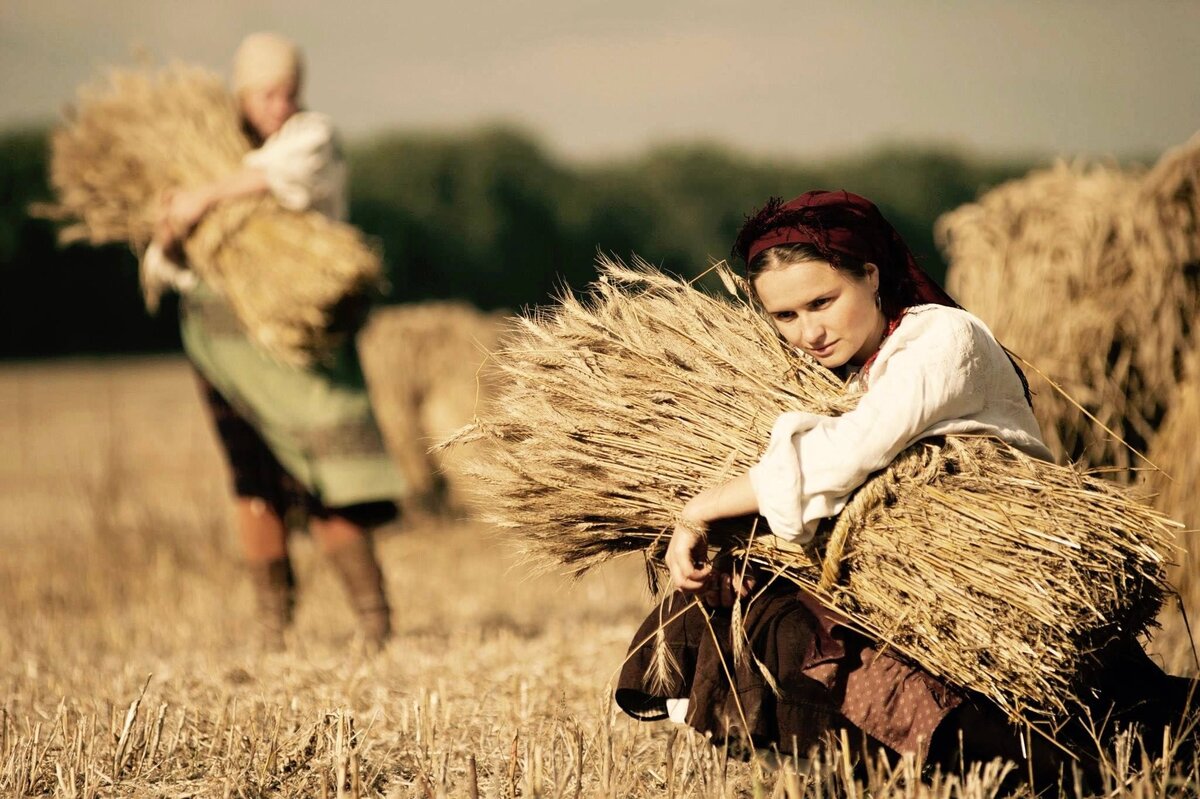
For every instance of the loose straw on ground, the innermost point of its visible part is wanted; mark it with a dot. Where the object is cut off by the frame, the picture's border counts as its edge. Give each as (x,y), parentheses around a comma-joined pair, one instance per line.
(995,571)
(295,279)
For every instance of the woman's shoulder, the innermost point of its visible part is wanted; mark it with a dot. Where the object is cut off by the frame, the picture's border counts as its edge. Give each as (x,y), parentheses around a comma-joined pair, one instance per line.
(943,322)
(943,316)
(312,127)
(307,137)
(944,336)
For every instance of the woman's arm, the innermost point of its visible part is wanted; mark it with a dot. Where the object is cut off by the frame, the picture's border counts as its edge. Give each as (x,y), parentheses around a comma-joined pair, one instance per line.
(936,374)
(687,553)
(299,166)
(183,210)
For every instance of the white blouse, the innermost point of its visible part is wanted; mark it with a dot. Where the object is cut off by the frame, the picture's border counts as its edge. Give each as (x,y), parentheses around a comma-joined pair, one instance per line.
(304,165)
(940,372)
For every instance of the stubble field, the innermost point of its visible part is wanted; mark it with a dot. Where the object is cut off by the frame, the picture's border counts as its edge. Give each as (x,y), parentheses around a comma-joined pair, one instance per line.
(127,664)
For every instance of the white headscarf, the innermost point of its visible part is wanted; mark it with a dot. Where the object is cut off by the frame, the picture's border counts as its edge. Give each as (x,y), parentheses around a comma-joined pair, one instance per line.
(266,59)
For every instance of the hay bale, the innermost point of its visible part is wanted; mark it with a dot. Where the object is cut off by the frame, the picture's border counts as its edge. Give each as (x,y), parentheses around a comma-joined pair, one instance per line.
(1088,273)
(993,570)
(1176,451)
(1029,259)
(423,366)
(295,279)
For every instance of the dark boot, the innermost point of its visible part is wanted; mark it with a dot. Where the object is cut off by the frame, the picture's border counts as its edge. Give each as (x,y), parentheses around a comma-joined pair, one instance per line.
(359,571)
(275,597)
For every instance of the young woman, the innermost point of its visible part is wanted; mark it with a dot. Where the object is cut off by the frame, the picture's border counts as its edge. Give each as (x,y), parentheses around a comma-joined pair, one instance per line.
(300,442)
(841,286)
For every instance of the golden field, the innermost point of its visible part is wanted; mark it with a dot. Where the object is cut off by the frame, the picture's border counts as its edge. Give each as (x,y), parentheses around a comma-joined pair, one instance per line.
(128,666)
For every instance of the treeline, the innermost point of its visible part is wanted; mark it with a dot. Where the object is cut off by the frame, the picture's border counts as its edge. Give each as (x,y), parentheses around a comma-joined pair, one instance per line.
(487,216)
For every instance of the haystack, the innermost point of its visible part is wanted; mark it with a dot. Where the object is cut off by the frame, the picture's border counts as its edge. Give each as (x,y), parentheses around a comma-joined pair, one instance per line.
(294,279)
(1089,274)
(993,570)
(423,364)
(1176,448)
(1176,451)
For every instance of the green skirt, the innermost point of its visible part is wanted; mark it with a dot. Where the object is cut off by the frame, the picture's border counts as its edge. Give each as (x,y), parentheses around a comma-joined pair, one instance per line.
(317,421)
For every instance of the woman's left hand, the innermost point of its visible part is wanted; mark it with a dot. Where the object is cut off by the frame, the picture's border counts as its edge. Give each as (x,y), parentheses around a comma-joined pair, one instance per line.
(183,210)
(687,556)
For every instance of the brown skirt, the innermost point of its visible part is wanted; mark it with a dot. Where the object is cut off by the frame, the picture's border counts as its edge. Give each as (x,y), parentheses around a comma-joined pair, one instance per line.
(828,677)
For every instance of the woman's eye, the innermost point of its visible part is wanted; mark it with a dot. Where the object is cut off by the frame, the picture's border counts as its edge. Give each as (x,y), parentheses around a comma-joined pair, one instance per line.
(821,303)
(785,316)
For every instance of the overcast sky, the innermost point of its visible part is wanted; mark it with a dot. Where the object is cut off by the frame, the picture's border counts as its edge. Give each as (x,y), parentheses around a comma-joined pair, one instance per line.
(594,79)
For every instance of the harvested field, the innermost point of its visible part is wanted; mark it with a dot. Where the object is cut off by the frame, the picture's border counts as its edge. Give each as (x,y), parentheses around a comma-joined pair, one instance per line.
(120,575)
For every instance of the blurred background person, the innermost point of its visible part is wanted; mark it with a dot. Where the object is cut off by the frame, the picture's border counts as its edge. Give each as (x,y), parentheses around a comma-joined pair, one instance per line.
(302,444)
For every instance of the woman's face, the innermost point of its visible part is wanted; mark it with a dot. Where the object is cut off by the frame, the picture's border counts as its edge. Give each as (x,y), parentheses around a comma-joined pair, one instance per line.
(831,315)
(266,108)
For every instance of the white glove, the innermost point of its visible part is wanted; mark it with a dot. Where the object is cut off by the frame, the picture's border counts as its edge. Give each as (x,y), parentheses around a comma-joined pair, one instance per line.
(158,273)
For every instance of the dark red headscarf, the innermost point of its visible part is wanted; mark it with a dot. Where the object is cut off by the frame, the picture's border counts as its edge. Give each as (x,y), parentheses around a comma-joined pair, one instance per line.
(839,224)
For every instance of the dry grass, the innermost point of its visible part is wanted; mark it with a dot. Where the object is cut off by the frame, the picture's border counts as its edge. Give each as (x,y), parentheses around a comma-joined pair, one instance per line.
(997,571)
(119,565)
(294,279)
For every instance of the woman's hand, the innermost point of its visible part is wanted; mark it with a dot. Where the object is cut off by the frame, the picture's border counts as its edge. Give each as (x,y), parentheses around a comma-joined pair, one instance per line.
(687,556)
(687,552)
(183,210)
(719,583)
(727,584)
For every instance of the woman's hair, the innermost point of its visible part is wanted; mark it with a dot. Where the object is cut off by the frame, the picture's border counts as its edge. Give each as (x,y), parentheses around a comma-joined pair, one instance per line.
(844,230)
(252,135)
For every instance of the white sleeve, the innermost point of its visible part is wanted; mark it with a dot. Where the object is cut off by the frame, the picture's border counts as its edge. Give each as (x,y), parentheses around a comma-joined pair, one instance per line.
(300,161)
(813,463)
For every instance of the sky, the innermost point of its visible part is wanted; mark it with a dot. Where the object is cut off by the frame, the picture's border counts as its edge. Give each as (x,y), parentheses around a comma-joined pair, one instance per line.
(786,78)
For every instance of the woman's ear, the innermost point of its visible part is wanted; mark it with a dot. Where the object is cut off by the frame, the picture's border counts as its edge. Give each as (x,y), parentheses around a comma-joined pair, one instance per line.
(872,275)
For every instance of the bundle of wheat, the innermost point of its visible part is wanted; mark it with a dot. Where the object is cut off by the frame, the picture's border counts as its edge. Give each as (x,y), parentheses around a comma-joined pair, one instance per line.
(992,570)
(291,277)
(1088,273)
(424,368)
